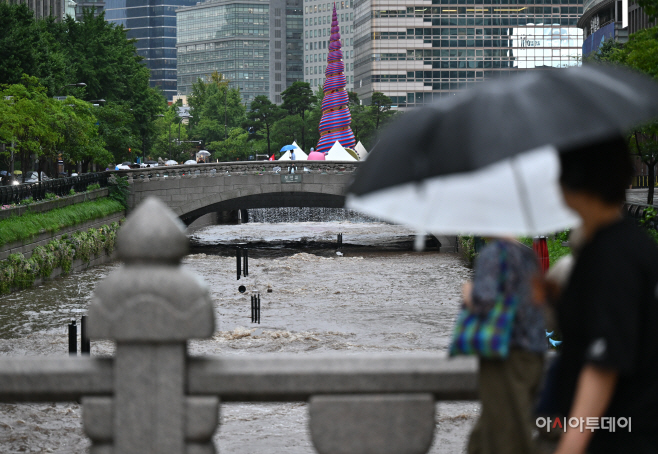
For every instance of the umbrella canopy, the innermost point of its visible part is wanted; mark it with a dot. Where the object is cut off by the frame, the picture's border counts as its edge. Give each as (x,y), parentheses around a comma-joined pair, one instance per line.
(190,162)
(485,161)
(127,163)
(287,147)
(171,162)
(316,156)
(299,155)
(338,153)
(203,153)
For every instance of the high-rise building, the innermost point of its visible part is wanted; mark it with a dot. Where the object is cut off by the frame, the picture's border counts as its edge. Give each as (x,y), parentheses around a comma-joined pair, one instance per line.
(80,5)
(153,24)
(425,50)
(255,44)
(48,8)
(317,25)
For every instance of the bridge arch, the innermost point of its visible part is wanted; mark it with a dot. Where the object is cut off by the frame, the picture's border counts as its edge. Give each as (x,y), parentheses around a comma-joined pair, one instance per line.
(192,191)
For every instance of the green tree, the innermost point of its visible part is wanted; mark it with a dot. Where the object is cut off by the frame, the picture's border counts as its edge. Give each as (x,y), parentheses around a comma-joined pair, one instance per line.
(380,108)
(262,115)
(363,123)
(287,130)
(172,136)
(297,99)
(81,142)
(235,148)
(641,53)
(115,126)
(215,108)
(27,120)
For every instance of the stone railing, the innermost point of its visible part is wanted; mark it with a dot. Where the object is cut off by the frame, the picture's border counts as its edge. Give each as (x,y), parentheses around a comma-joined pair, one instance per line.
(237,168)
(152,397)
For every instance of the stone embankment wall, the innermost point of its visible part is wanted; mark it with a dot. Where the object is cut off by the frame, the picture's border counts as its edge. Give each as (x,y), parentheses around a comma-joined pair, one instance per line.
(26,248)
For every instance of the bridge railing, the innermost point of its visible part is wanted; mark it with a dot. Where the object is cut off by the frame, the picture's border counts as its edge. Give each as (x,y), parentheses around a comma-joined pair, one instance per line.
(152,397)
(145,174)
(58,186)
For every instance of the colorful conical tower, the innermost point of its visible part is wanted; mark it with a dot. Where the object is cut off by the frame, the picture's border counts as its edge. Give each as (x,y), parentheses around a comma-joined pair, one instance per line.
(336,118)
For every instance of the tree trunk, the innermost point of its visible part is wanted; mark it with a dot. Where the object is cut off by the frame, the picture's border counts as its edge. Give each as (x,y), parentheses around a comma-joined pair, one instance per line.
(652,177)
(269,152)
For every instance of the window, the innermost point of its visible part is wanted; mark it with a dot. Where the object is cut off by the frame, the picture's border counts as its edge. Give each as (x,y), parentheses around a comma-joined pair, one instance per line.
(277,66)
(277,33)
(277,87)
(277,77)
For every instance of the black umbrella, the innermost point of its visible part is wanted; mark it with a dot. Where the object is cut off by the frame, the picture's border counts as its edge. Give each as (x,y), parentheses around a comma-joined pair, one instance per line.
(461,164)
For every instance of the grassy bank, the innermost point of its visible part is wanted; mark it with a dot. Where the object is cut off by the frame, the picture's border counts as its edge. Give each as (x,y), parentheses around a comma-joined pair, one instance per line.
(29,225)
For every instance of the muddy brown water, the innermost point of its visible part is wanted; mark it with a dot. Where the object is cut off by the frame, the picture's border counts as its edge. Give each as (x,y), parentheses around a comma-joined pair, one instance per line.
(378,297)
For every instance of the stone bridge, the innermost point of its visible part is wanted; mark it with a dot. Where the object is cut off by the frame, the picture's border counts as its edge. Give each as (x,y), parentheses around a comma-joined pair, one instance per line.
(194,190)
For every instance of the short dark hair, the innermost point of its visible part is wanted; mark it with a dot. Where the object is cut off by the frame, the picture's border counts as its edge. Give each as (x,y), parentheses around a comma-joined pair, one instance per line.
(601,168)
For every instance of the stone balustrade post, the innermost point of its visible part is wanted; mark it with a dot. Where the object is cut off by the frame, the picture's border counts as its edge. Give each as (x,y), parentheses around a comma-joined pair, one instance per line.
(150,307)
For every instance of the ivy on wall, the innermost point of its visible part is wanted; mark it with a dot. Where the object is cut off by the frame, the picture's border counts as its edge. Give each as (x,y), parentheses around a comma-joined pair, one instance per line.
(18,272)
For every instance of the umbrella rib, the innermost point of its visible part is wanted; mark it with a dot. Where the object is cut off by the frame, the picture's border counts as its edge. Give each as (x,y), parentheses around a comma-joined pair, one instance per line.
(523,195)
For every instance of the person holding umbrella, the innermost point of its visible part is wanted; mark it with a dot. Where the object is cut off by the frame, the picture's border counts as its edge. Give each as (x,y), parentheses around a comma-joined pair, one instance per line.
(608,311)
(536,142)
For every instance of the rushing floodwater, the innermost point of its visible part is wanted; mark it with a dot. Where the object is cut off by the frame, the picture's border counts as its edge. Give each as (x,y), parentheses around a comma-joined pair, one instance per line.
(379,296)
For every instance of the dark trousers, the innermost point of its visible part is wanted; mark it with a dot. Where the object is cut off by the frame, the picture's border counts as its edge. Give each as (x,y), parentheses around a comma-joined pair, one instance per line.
(507,392)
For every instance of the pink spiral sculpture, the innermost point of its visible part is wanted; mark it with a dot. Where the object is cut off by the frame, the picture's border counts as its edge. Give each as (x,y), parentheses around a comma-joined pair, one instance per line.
(336,118)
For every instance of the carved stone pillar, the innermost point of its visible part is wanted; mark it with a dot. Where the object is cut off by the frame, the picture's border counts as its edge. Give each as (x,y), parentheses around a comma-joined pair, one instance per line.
(151,306)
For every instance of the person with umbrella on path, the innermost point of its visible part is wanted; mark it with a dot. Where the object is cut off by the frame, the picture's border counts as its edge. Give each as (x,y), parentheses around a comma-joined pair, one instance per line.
(503,159)
(608,311)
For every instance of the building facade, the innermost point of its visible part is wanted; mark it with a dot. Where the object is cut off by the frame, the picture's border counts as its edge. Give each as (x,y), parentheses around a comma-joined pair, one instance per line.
(421,50)
(256,45)
(153,24)
(58,9)
(317,25)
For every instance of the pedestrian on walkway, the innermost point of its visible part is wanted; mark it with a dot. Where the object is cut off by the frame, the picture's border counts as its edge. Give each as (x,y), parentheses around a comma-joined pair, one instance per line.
(608,312)
(506,270)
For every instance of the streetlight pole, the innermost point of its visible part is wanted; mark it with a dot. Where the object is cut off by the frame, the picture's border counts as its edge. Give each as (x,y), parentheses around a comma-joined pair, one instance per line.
(225,115)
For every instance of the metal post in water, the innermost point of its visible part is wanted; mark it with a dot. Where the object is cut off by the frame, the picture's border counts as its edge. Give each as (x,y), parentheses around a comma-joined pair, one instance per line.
(85,343)
(246,262)
(252,308)
(73,339)
(238,259)
(258,308)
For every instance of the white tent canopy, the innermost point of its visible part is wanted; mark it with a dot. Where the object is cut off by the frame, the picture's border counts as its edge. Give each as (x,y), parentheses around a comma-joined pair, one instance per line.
(338,153)
(294,144)
(361,151)
(299,155)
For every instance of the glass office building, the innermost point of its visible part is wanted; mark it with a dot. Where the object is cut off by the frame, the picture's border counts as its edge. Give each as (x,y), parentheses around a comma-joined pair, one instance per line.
(153,24)
(317,26)
(419,52)
(256,45)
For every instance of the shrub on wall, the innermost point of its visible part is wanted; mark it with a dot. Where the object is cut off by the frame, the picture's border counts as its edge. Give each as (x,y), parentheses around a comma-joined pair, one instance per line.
(18,272)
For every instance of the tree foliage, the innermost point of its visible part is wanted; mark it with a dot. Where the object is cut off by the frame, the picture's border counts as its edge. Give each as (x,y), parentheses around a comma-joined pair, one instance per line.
(640,53)
(297,99)
(59,55)
(263,114)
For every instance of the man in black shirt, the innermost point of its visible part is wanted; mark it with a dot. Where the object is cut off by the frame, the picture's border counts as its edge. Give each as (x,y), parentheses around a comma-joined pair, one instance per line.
(608,313)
